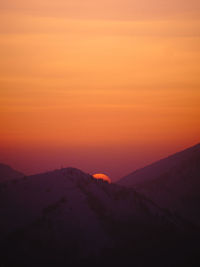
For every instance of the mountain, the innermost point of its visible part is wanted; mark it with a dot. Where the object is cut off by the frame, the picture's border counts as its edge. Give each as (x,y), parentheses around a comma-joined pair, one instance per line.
(68,218)
(173,183)
(8,173)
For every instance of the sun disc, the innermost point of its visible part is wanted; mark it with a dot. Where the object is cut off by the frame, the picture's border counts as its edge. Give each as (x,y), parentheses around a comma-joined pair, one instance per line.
(102,177)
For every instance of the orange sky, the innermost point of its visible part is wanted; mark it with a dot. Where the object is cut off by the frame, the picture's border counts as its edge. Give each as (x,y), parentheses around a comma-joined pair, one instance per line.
(104,85)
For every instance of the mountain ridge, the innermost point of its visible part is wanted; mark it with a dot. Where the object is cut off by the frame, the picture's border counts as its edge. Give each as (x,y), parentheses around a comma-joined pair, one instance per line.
(173,182)
(123,180)
(67,217)
(8,173)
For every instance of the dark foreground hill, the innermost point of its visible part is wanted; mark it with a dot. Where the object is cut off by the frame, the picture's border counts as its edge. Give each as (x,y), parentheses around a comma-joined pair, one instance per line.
(173,183)
(67,218)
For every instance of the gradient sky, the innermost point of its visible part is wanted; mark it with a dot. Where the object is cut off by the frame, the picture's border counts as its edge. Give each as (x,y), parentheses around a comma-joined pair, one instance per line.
(106,86)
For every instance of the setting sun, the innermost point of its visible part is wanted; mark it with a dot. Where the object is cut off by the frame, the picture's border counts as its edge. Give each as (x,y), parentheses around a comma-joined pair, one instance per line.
(102,177)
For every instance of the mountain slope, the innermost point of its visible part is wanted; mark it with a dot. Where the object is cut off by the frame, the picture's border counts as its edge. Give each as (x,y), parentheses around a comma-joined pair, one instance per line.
(66,217)
(173,183)
(7,173)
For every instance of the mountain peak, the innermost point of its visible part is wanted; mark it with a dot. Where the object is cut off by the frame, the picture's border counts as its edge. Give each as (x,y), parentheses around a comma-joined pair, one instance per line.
(155,169)
(172,182)
(72,171)
(8,173)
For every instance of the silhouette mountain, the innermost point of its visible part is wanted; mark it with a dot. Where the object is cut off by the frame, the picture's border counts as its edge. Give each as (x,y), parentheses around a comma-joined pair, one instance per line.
(173,183)
(68,218)
(8,173)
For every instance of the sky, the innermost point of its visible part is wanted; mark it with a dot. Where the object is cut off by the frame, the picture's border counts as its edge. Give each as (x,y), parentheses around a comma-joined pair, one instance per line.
(105,86)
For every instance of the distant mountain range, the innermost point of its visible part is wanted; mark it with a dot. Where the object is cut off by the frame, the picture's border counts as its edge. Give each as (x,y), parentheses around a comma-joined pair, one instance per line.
(8,173)
(173,183)
(67,218)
